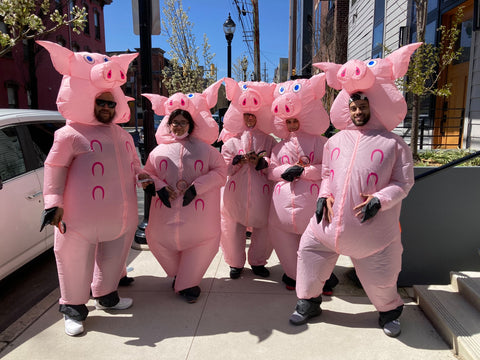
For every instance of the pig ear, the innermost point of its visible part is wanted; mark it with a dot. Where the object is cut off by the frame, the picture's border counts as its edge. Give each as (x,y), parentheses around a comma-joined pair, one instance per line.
(60,56)
(232,89)
(124,60)
(401,58)
(211,93)
(158,103)
(318,84)
(331,70)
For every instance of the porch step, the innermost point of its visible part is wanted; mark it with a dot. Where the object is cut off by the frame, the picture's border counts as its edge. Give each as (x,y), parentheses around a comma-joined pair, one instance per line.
(453,312)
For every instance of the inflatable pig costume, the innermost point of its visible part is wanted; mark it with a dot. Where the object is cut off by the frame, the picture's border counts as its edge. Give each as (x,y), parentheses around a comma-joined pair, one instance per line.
(247,193)
(185,238)
(90,172)
(294,197)
(357,162)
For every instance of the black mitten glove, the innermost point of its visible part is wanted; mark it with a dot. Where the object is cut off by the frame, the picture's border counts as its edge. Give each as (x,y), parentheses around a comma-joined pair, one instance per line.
(189,195)
(47,217)
(371,209)
(261,164)
(236,159)
(150,189)
(321,204)
(292,173)
(164,196)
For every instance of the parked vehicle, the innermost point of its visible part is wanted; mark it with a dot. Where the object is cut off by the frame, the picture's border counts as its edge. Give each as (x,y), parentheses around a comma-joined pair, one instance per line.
(26,137)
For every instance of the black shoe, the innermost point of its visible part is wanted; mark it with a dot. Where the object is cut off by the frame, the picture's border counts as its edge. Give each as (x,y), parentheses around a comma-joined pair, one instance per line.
(261,271)
(191,294)
(125,281)
(305,310)
(289,282)
(329,285)
(235,272)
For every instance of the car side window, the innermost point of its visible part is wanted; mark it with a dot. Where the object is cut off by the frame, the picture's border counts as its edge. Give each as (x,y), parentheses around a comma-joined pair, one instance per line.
(42,140)
(11,156)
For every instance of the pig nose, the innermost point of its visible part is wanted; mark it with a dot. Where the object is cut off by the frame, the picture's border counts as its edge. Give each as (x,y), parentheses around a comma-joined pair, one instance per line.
(108,75)
(355,76)
(286,108)
(177,102)
(250,101)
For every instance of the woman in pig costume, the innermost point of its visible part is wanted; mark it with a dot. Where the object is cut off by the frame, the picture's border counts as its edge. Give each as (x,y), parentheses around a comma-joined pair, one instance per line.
(89,186)
(183,231)
(247,193)
(295,167)
(366,172)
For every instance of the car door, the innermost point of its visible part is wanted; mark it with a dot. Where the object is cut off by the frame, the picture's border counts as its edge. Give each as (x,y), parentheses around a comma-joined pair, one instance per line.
(20,205)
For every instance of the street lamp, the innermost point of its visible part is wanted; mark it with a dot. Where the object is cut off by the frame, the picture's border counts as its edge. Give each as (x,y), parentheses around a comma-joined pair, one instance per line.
(229,30)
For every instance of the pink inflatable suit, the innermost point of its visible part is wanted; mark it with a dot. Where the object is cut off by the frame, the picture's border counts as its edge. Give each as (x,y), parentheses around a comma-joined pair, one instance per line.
(293,202)
(247,192)
(184,239)
(90,172)
(357,162)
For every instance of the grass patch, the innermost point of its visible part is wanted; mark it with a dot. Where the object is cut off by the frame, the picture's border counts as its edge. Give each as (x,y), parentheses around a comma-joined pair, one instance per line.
(442,157)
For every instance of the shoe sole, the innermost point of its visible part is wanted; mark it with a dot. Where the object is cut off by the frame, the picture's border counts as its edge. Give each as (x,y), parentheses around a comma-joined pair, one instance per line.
(305,319)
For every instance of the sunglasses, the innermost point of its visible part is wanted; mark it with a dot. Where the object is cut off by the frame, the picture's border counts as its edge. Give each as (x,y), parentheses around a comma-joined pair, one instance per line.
(102,103)
(179,123)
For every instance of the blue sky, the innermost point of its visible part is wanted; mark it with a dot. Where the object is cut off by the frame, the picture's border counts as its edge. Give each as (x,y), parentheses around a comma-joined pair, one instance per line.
(208,17)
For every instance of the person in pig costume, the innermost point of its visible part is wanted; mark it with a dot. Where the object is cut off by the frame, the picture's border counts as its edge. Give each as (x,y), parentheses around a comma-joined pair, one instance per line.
(183,231)
(366,172)
(295,168)
(89,187)
(247,192)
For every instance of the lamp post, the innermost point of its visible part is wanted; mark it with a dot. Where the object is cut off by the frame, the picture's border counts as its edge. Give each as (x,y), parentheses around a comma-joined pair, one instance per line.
(229,30)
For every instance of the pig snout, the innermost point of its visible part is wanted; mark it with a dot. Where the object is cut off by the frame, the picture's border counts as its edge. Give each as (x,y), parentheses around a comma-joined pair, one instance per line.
(249,101)
(178,101)
(355,76)
(285,108)
(108,75)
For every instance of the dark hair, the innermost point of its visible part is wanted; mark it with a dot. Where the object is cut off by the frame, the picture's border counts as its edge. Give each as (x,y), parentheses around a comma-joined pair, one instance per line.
(357,96)
(186,115)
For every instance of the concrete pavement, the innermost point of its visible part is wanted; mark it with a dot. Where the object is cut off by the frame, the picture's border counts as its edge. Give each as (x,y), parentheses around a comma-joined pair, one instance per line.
(245,318)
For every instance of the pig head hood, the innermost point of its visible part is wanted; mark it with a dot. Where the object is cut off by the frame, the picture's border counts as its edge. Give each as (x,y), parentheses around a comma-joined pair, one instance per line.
(253,97)
(85,76)
(197,104)
(300,99)
(376,80)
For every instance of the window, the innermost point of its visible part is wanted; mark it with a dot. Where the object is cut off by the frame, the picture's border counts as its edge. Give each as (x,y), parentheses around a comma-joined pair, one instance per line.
(317,30)
(378,24)
(71,5)
(42,140)
(86,29)
(11,155)
(12,94)
(96,20)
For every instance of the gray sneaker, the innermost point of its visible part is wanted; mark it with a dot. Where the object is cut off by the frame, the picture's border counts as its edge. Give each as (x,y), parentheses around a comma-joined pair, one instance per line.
(392,328)
(305,310)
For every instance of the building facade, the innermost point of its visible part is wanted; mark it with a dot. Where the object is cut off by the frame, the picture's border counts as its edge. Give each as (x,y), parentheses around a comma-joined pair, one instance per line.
(28,78)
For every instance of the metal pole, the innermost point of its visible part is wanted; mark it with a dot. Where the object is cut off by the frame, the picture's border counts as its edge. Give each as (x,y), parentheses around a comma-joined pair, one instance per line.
(145,22)
(256,43)
(229,57)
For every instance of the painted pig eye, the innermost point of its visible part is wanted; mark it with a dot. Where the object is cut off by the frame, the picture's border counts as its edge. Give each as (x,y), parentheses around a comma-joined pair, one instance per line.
(89,59)
(190,96)
(281,90)
(244,87)
(372,63)
(106,59)
(297,88)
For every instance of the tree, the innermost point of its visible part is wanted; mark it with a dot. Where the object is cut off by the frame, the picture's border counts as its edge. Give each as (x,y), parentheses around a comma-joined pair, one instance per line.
(185,74)
(240,69)
(27,20)
(428,64)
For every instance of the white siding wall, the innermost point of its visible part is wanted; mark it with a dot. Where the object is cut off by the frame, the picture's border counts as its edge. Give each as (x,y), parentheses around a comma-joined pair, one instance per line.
(472,124)
(360,28)
(395,16)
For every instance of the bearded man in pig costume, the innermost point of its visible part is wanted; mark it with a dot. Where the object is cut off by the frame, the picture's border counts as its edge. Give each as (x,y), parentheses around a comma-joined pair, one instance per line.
(90,178)
(366,172)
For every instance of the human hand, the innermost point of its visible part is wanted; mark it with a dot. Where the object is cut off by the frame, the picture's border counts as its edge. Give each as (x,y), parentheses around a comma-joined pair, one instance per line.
(367,209)
(144,180)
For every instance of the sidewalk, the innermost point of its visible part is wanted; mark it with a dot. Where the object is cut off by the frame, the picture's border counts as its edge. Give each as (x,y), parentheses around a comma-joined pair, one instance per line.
(245,318)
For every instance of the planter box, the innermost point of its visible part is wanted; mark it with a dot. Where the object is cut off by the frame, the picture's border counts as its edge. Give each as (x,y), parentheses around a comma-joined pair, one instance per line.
(441,226)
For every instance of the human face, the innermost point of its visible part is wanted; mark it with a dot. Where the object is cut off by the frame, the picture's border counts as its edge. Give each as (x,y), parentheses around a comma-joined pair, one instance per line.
(179,125)
(359,112)
(292,125)
(104,109)
(250,120)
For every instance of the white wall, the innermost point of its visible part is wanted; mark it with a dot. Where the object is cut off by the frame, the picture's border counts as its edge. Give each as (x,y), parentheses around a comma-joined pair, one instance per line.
(472,118)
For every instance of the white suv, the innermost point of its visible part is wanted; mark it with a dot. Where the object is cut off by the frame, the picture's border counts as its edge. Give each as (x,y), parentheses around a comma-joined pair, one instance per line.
(25,140)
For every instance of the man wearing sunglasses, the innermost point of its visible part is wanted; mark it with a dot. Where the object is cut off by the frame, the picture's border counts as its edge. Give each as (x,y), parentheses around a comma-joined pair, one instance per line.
(104,109)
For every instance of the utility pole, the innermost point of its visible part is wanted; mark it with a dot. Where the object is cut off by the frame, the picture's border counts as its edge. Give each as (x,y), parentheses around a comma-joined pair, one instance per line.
(265,77)
(256,41)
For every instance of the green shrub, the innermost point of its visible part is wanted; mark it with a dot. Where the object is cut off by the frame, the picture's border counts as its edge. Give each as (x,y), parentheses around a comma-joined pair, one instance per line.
(441,157)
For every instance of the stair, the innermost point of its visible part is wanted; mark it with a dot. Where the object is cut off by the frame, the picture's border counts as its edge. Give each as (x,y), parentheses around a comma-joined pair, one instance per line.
(454,311)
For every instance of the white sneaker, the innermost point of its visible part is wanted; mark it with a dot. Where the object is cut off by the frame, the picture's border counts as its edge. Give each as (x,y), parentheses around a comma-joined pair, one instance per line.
(73,327)
(123,304)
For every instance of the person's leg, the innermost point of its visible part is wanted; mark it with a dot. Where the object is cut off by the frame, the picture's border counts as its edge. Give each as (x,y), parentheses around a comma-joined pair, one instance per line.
(286,247)
(232,243)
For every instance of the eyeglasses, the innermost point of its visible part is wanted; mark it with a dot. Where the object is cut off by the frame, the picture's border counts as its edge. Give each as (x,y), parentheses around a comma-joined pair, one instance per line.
(102,103)
(179,123)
